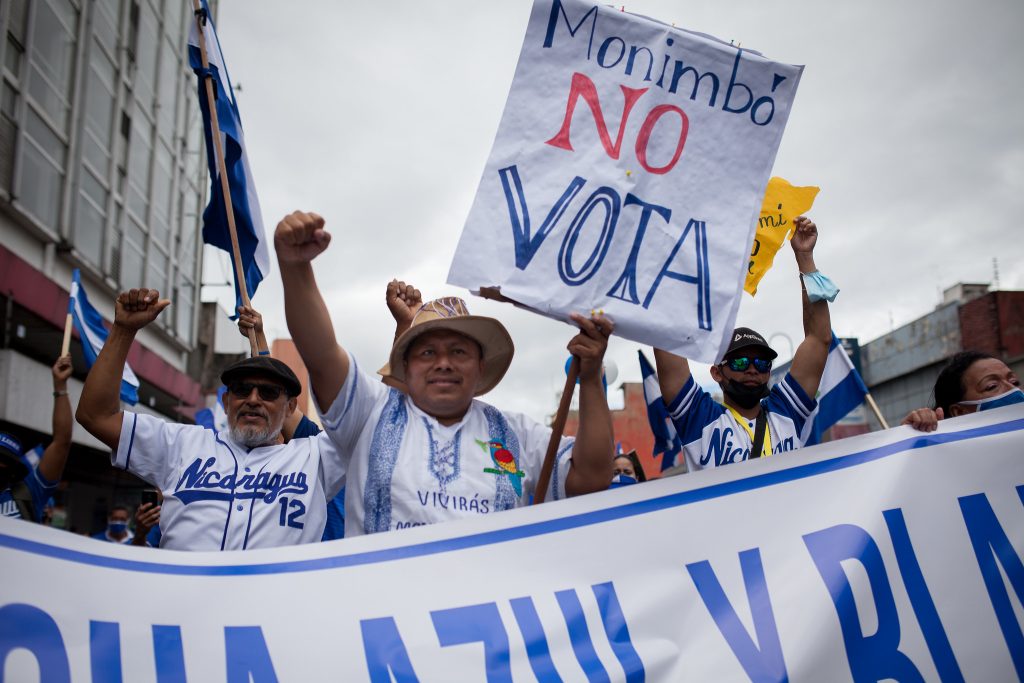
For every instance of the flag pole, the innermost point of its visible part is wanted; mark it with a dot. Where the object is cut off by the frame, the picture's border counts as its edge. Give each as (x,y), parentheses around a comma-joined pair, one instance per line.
(557,427)
(874,408)
(225,186)
(66,344)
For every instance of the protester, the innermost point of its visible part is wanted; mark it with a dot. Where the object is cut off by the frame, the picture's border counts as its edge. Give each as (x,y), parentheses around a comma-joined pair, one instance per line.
(116,530)
(628,465)
(970,381)
(435,453)
(754,421)
(24,491)
(233,491)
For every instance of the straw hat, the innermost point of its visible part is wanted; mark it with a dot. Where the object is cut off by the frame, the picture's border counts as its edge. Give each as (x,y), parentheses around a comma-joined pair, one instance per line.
(451,313)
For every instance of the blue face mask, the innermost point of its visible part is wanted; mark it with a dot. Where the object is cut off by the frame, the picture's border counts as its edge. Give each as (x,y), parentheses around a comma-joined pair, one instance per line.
(117,528)
(819,287)
(621,480)
(1008,399)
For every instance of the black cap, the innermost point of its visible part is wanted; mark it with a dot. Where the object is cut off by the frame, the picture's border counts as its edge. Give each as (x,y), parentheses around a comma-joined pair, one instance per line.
(10,454)
(263,365)
(744,337)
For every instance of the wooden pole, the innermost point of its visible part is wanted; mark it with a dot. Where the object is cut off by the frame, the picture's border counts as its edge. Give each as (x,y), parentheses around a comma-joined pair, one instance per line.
(877,412)
(66,344)
(225,186)
(557,427)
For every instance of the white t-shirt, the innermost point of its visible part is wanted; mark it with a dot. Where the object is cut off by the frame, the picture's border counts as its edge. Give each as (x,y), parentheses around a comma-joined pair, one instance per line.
(407,469)
(219,495)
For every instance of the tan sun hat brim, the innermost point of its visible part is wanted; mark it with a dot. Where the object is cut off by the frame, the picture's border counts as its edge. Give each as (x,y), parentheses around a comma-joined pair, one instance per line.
(490,334)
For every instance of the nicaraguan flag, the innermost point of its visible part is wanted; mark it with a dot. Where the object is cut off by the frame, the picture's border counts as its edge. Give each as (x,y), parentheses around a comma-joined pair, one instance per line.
(252,242)
(214,418)
(666,440)
(840,391)
(93,332)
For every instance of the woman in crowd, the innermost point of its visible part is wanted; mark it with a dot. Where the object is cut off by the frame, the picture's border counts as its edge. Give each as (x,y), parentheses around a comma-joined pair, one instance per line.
(971,381)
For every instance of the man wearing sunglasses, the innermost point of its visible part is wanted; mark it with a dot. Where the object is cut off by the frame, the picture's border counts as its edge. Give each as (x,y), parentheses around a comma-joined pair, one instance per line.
(237,490)
(754,421)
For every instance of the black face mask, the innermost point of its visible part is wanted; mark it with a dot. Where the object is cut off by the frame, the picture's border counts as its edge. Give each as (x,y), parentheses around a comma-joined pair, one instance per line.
(742,395)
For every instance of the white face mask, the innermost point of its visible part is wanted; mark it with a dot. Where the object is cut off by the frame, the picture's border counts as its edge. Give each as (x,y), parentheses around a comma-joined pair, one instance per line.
(1006,399)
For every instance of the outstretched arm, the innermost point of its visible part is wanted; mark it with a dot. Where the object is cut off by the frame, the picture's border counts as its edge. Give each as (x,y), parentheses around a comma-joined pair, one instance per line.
(51,465)
(592,462)
(300,237)
(99,409)
(673,372)
(810,356)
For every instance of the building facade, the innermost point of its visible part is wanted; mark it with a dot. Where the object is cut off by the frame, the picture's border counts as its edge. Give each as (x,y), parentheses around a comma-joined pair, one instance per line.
(102,168)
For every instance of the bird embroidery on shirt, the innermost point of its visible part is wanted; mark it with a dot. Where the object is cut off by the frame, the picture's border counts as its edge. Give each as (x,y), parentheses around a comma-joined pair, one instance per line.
(505,463)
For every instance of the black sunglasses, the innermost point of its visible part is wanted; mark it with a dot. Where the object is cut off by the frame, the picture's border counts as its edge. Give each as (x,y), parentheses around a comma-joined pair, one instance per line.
(742,363)
(268,392)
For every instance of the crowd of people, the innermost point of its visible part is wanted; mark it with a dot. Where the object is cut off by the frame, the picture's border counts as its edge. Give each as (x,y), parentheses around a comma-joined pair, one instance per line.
(419,447)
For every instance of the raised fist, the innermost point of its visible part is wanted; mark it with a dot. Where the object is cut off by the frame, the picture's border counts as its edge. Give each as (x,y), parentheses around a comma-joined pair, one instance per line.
(300,237)
(137,308)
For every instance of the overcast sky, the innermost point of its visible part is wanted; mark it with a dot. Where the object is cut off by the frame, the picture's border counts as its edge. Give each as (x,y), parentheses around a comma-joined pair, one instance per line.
(380,117)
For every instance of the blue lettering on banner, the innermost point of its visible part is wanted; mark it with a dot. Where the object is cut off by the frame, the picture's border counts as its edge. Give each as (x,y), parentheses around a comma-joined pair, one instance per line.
(477,624)
(579,637)
(761,660)
(168,654)
(105,651)
(992,549)
(875,657)
(247,656)
(30,628)
(537,650)
(921,600)
(385,652)
(200,482)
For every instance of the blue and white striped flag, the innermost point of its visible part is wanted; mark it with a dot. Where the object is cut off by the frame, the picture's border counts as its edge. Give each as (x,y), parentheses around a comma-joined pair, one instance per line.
(666,440)
(841,390)
(93,332)
(252,242)
(214,418)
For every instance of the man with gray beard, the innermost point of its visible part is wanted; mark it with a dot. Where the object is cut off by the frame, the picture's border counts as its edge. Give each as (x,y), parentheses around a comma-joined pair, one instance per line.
(230,491)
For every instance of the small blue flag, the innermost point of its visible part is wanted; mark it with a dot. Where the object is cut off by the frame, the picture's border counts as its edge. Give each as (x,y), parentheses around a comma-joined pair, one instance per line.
(666,440)
(214,418)
(93,332)
(841,390)
(252,241)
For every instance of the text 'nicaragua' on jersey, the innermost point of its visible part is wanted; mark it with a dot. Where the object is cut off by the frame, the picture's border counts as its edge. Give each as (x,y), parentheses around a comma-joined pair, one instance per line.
(712,437)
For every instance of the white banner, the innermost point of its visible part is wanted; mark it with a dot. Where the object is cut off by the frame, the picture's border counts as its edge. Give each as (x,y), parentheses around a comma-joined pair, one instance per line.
(890,555)
(627,175)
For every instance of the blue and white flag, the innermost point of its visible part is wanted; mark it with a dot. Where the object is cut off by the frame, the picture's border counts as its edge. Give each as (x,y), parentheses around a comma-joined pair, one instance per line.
(93,332)
(214,418)
(666,440)
(252,241)
(841,390)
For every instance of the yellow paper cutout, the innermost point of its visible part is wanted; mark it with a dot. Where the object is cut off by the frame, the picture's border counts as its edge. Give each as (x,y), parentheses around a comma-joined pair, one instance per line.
(782,203)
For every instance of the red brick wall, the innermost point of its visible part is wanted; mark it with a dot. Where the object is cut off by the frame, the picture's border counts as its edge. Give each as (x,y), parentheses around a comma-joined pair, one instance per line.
(994,323)
(632,429)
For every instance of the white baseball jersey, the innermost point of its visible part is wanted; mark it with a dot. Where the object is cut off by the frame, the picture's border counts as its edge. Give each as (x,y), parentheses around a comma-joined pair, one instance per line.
(712,436)
(407,469)
(220,495)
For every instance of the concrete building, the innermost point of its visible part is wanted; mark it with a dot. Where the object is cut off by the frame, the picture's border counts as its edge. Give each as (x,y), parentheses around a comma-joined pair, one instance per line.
(900,367)
(102,168)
